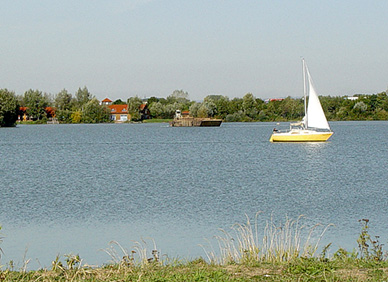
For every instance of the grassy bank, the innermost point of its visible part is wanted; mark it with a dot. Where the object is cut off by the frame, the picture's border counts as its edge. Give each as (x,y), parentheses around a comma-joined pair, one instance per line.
(301,269)
(286,252)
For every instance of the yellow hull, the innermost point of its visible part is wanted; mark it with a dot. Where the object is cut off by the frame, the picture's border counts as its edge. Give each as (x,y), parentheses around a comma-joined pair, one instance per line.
(301,136)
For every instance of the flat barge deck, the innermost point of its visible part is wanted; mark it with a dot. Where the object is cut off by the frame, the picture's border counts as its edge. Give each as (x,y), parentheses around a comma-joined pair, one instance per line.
(191,121)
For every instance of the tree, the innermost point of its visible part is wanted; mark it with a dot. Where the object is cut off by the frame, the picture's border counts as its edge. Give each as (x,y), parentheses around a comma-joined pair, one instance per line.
(76,117)
(291,109)
(194,109)
(36,104)
(9,108)
(93,112)
(118,102)
(221,103)
(207,109)
(82,97)
(235,105)
(63,100)
(134,104)
(180,96)
(235,117)
(360,107)
(157,110)
(152,100)
(169,110)
(249,105)
(65,116)
(63,104)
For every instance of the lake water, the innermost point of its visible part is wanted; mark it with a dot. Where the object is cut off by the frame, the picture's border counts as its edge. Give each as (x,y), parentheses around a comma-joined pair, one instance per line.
(74,188)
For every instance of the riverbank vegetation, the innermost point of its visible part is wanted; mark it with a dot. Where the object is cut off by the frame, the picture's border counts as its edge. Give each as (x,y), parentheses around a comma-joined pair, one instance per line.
(83,107)
(288,252)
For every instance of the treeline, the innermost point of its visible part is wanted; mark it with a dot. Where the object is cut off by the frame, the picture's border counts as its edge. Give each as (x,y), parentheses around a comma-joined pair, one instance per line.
(250,108)
(83,107)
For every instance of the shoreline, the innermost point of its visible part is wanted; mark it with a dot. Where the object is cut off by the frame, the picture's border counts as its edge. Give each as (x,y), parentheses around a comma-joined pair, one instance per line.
(280,255)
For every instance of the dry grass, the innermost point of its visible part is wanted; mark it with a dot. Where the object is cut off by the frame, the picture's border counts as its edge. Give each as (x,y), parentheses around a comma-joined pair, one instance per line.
(278,243)
(278,252)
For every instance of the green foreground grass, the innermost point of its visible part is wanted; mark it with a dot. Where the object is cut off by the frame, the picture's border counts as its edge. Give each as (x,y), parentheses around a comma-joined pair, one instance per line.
(280,254)
(301,269)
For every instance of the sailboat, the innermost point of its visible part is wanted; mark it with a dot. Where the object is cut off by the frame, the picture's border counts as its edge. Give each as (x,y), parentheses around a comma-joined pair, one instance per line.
(314,126)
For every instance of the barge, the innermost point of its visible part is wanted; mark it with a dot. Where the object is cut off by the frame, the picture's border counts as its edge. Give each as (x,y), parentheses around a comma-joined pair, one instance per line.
(187,121)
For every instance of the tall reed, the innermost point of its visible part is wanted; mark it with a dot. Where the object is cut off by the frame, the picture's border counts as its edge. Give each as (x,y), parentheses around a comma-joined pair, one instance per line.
(277,243)
(139,255)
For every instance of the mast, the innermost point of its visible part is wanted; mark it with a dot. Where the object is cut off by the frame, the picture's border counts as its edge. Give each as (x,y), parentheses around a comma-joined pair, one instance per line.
(304,92)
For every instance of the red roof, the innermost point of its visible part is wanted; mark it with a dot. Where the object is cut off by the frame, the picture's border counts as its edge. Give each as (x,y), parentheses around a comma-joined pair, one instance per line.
(118,109)
(278,99)
(142,106)
(106,100)
(50,110)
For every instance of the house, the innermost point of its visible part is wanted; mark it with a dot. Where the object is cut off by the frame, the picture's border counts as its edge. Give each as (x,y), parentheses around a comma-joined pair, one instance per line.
(51,115)
(273,100)
(185,113)
(23,115)
(119,113)
(144,111)
(106,101)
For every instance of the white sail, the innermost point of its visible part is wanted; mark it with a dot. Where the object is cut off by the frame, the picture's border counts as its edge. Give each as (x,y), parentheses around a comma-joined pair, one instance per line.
(315,117)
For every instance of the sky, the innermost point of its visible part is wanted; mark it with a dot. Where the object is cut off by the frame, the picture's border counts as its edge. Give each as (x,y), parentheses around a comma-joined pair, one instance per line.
(126,48)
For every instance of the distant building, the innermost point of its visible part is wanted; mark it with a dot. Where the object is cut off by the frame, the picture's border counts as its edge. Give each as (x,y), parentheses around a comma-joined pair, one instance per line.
(352,98)
(273,100)
(119,113)
(144,111)
(106,101)
(23,116)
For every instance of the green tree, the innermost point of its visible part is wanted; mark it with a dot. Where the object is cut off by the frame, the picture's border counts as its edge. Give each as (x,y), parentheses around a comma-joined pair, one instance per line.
(36,104)
(152,100)
(83,96)
(63,100)
(235,117)
(194,109)
(359,109)
(235,105)
(65,116)
(156,109)
(291,109)
(93,112)
(9,108)
(76,116)
(179,96)
(207,109)
(169,109)
(133,107)
(222,105)
(63,104)
(118,102)
(249,105)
